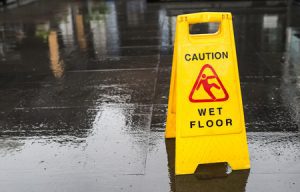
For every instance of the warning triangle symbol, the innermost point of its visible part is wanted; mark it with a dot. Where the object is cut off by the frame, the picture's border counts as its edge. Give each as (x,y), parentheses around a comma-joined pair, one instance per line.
(208,87)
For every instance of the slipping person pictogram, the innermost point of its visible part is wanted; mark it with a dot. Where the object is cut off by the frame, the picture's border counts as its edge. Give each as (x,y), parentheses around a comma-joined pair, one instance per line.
(209,84)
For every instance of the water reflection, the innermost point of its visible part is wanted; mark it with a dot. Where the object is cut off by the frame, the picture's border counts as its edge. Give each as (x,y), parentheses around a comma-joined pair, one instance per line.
(236,181)
(135,12)
(291,73)
(57,65)
(66,29)
(86,28)
(104,25)
(80,31)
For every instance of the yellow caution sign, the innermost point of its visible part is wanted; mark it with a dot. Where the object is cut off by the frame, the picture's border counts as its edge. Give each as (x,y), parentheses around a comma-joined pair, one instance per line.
(205,111)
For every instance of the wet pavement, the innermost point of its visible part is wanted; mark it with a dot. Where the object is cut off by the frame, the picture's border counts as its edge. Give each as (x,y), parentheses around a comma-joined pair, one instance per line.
(84,90)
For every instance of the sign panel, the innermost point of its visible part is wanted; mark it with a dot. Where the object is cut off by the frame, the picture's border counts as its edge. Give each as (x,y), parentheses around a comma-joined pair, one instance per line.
(205,111)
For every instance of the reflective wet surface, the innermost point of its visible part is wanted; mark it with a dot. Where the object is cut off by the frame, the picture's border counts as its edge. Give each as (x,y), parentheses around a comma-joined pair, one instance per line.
(84,90)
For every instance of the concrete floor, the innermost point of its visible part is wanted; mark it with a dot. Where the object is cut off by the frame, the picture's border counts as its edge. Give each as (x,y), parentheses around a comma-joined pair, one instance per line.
(84,90)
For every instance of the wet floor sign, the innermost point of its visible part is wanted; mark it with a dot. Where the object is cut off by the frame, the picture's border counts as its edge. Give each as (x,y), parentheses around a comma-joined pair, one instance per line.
(205,111)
